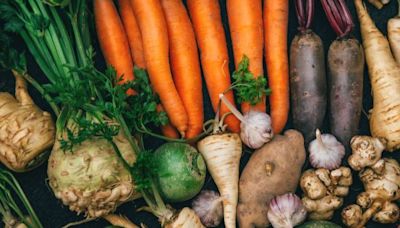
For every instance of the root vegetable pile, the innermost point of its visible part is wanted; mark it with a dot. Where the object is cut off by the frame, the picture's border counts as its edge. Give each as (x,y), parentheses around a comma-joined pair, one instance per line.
(133,125)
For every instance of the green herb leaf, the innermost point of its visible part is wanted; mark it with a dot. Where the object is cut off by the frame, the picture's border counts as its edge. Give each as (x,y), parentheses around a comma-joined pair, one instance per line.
(143,170)
(87,129)
(247,87)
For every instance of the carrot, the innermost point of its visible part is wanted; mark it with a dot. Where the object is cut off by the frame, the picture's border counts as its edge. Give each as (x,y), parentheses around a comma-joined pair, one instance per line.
(393,29)
(210,35)
(167,130)
(222,152)
(152,24)
(276,57)
(246,28)
(136,47)
(112,38)
(133,32)
(385,82)
(185,63)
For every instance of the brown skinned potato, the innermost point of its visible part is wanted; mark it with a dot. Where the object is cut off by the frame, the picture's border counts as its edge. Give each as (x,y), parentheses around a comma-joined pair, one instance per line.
(272,170)
(346,74)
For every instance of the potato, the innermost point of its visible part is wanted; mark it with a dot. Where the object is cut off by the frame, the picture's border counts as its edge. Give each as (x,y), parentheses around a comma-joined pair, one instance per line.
(272,170)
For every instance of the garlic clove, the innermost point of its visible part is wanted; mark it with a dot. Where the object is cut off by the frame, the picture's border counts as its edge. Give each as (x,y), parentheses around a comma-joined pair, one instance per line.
(326,151)
(256,129)
(286,211)
(208,206)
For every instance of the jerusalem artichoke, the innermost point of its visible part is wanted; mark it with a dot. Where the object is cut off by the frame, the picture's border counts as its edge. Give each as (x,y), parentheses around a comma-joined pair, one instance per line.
(381,180)
(324,191)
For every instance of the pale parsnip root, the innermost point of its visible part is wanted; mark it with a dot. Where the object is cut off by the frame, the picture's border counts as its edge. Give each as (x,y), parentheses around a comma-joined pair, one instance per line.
(393,29)
(186,218)
(119,220)
(222,153)
(384,75)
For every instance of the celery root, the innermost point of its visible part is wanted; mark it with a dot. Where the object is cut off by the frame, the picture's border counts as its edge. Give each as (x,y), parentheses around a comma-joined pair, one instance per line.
(92,179)
(385,81)
(26,131)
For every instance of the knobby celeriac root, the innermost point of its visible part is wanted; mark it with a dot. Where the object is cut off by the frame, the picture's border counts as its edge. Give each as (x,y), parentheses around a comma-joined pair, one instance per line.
(26,131)
(92,179)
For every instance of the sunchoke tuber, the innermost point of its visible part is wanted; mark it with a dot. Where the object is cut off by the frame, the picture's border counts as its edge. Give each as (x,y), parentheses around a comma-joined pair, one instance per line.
(324,191)
(381,180)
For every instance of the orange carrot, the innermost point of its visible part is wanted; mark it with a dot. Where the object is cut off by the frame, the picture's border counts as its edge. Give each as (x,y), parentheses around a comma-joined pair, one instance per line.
(167,130)
(210,34)
(152,24)
(185,63)
(275,35)
(112,38)
(246,28)
(133,33)
(136,47)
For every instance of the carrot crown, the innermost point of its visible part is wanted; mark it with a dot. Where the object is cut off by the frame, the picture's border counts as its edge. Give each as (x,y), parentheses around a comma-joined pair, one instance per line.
(339,16)
(305,13)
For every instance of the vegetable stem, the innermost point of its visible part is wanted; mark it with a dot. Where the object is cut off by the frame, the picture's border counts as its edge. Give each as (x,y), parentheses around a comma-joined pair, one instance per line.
(231,107)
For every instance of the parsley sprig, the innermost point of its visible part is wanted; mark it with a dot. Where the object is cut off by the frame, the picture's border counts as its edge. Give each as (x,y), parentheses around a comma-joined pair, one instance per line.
(247,87)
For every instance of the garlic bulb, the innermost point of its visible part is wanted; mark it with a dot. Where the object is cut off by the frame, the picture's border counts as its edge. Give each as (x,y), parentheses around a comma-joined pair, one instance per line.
(256,129)
(286,211)
(326,151)
(208,206)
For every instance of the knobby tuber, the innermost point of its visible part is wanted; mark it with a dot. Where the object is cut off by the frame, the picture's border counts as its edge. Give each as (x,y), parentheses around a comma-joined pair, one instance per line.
(324,191)
(381,180)
(26,131)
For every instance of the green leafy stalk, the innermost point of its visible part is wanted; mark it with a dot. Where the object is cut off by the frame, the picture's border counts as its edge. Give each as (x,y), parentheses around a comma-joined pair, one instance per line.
(10,191)
(247,87)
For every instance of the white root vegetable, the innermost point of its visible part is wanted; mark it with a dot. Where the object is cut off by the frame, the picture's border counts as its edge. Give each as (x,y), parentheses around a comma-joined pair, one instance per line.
(92,179)
(222,152)
(186,218)
(119,221)
(26,131)
(385,81)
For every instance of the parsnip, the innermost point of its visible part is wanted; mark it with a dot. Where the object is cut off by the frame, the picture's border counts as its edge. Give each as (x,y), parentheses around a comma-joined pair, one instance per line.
(26,131)
(393,29)
(385,81)
(222,152)
(186,218)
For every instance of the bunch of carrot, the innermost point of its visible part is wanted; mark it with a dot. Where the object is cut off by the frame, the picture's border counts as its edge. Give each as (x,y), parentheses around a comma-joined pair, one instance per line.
(159,35)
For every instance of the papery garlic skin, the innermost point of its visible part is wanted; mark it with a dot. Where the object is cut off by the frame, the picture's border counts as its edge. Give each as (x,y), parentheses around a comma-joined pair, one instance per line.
(208,206)
(286,211)
(256,129)
(326,151)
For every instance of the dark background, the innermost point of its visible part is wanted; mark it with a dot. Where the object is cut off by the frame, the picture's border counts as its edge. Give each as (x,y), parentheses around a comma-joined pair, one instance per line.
(53,214)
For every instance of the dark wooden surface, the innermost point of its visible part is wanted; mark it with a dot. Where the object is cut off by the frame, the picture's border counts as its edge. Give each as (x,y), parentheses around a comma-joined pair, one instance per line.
(53,214)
